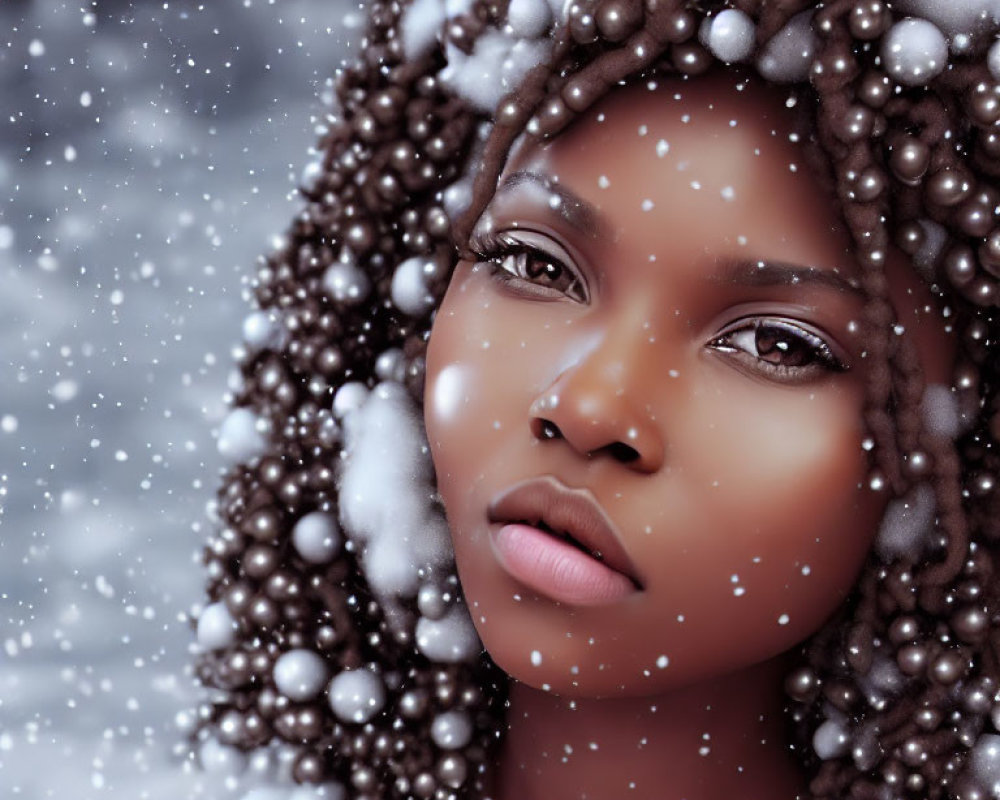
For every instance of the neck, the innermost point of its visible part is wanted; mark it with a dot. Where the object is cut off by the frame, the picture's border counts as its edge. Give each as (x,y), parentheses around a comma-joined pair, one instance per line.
(720,739)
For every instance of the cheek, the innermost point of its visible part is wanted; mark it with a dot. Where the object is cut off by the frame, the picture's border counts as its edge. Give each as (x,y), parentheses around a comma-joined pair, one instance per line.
(767,526)
(467,385)
(488,359)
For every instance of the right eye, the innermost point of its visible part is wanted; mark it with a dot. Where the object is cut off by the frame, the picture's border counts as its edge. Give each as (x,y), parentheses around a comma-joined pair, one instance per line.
(525,267)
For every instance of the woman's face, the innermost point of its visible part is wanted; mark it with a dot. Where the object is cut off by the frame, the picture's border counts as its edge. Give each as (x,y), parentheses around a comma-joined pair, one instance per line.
(644,400)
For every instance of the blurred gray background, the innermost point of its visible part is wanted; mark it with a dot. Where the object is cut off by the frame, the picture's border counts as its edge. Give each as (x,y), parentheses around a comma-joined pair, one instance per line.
(149,152)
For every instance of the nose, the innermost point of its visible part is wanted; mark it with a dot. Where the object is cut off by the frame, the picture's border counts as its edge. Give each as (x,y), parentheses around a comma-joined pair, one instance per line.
(596,407)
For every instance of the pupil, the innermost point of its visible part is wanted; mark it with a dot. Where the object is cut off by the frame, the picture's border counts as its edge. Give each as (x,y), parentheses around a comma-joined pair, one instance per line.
(777,347)
(538,268)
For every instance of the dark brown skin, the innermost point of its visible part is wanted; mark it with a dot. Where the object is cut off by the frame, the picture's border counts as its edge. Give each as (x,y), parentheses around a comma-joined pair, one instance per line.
(745,509)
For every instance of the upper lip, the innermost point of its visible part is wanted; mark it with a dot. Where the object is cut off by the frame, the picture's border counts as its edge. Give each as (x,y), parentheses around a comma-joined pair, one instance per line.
(574,513)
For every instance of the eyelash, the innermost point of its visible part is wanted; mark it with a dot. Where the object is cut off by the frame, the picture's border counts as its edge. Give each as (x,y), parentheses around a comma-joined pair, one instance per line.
(509,256)
(820,356)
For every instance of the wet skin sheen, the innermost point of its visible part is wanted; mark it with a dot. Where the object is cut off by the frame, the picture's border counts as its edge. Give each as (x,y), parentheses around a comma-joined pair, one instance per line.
(711,407)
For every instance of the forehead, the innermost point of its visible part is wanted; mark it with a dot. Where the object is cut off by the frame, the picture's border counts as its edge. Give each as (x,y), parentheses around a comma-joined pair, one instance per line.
(721,160)
(660,117)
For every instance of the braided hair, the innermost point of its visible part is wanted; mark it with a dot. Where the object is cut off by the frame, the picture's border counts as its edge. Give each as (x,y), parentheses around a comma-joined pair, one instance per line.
(897,695)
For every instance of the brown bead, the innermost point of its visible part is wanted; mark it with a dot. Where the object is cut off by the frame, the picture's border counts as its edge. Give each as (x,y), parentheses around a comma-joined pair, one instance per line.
(259,561)
(682,26)
(976,216)
(582,25)
(928,719)
(912,659)
(387,106)
(904,629)
(263,612)
(856,124)
(875,89)
(361,237)
(914,751)
(309,768)
(970,624)
(842,695)
(271,470)
(869,20)
(983,484)
(553,117)
(988,143)
(948,187)
(870,185)
(283,586)
(910,237)
(989,252)
(949,667)
(918,465)
(579,94)
(616,19)
(984,103)
(238,597)
(893,773)
(329,361)
(909,160)
(403,156)
(263,524)
(982,291)
(960,265)
(509,111)
(690,58)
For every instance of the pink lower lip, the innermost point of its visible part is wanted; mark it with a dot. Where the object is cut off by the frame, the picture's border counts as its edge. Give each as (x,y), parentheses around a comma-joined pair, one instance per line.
(556,569)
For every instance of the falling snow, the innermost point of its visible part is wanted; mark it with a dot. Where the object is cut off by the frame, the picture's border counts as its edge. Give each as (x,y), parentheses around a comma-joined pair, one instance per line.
(145,162)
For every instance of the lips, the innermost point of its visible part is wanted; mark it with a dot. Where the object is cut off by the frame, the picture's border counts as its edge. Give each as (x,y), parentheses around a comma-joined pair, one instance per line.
(561,542)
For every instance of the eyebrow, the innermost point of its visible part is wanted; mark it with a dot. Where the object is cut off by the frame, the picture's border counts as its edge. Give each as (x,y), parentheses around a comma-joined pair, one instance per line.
(763,272)
(582,216)
(572,208)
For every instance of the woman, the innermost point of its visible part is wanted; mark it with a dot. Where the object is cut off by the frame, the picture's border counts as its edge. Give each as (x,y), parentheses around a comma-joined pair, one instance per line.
(710,379)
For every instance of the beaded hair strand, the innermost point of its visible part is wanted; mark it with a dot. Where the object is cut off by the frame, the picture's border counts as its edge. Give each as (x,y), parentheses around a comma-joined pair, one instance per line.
(896,697)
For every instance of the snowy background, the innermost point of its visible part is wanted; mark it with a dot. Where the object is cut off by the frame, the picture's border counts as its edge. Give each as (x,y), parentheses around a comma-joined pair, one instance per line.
(148,153)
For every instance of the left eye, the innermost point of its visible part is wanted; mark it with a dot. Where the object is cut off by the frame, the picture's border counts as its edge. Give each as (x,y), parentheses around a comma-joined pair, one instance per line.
(541,270)
(779,348)
(530,265)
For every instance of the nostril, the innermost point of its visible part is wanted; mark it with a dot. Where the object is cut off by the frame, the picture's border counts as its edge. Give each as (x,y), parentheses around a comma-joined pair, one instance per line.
(622,452)
(545,429)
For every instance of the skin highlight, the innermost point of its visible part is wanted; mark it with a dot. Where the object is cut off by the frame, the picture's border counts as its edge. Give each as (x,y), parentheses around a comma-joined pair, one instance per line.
(738,487)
